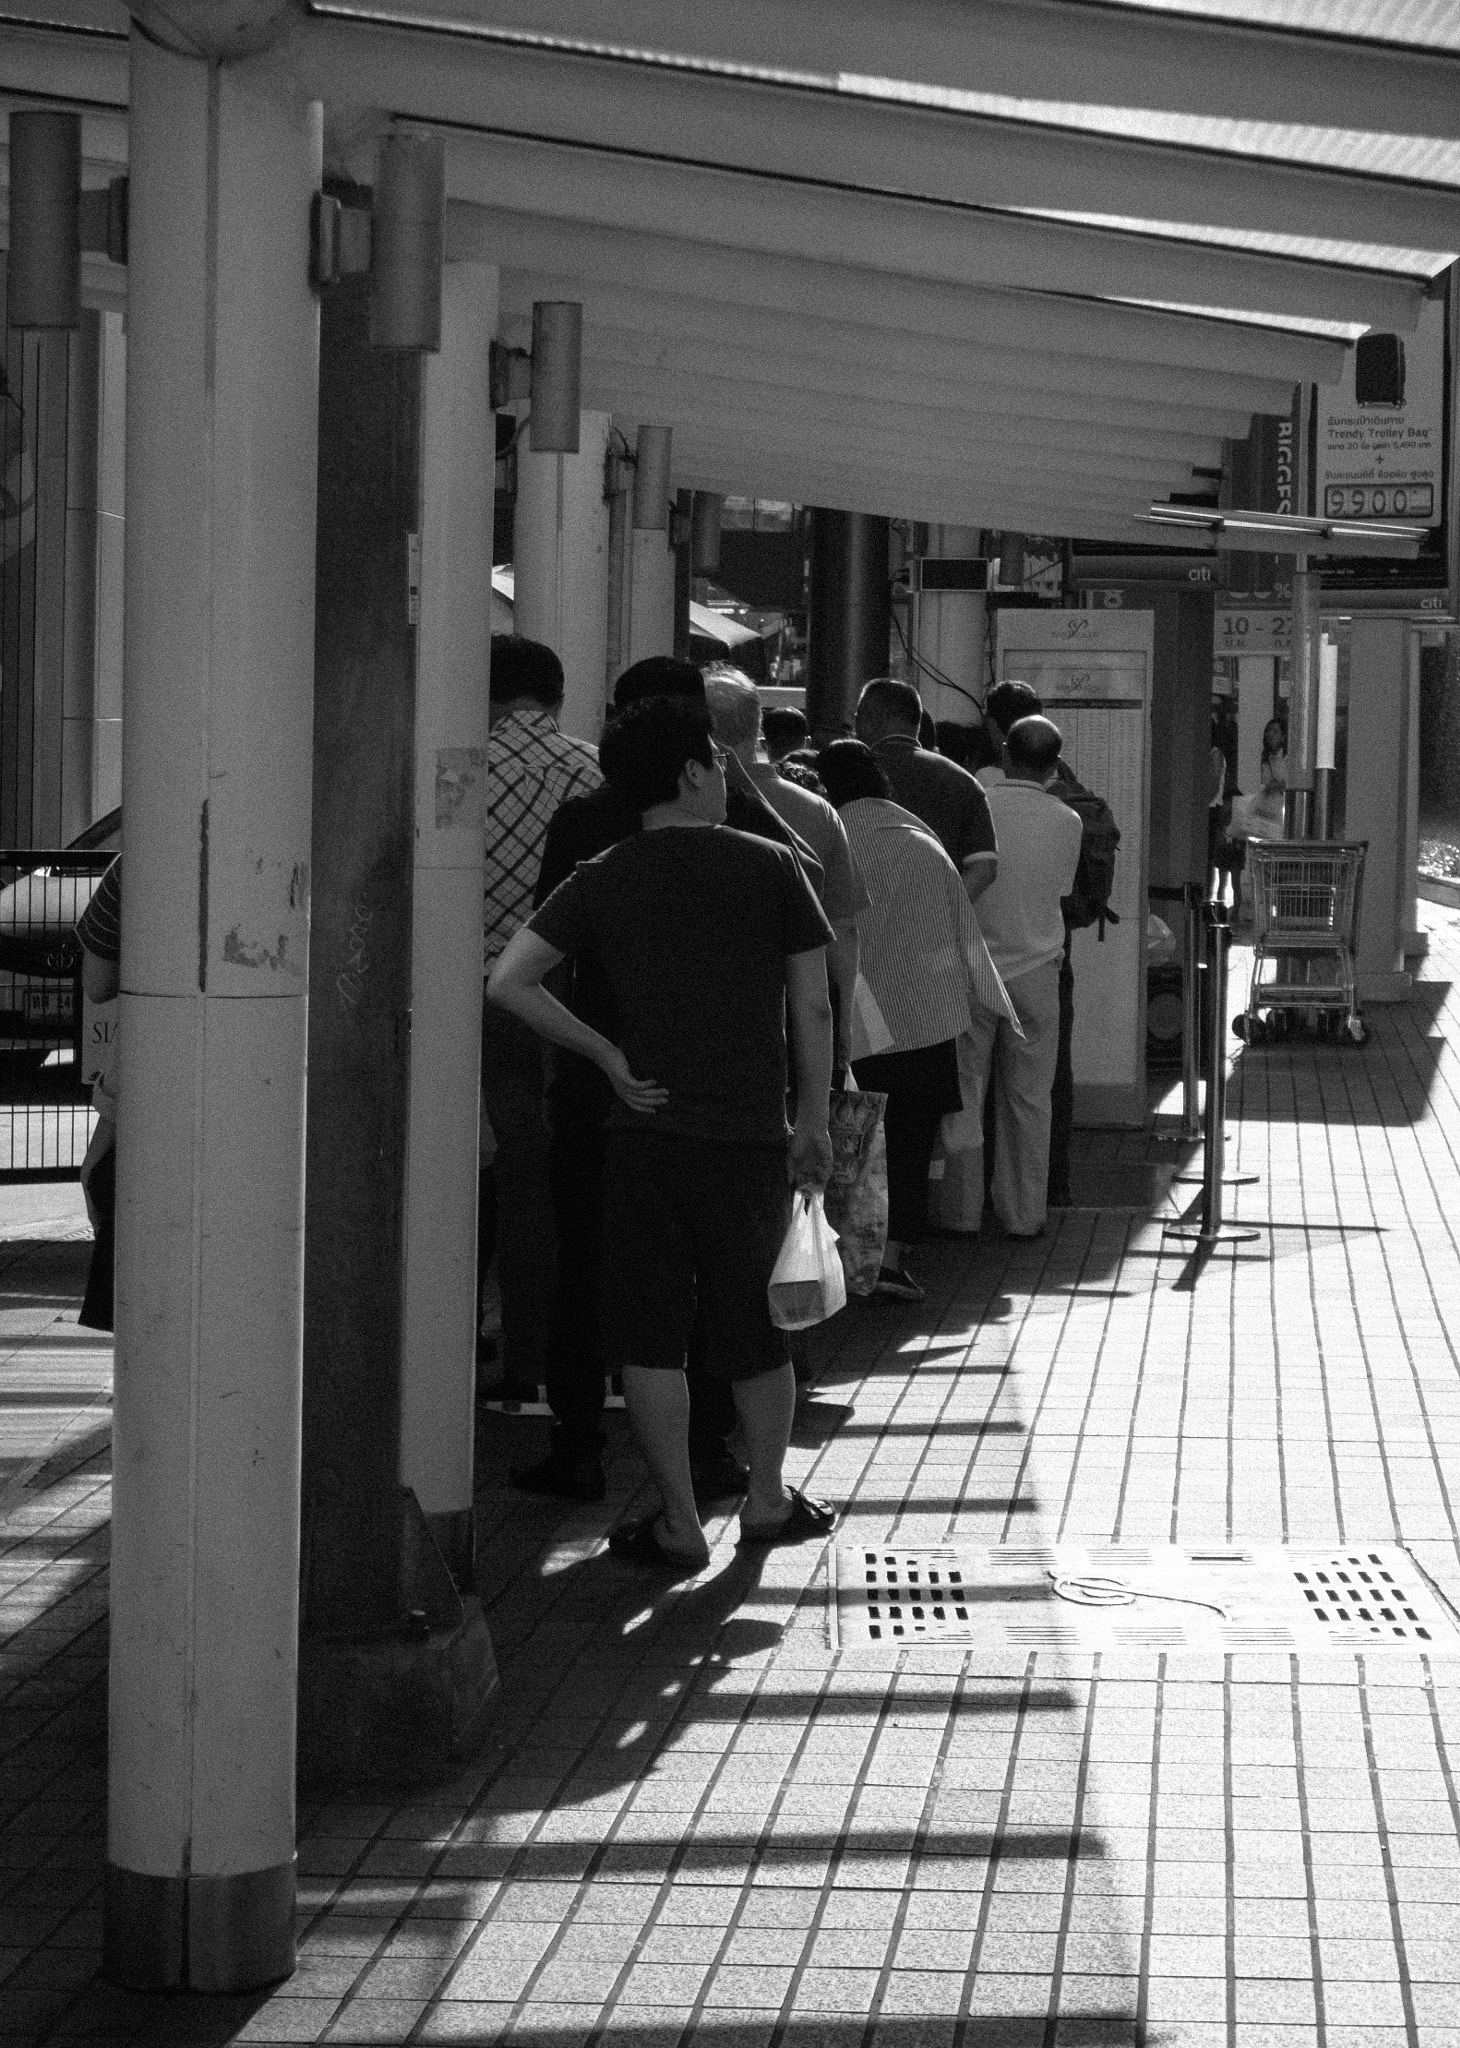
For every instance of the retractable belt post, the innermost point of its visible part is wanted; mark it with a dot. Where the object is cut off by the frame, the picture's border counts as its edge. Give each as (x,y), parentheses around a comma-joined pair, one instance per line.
(1211,1229)
(1191,1011)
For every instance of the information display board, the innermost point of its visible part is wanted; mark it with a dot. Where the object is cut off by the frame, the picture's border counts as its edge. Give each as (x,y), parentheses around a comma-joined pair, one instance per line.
(1092,672)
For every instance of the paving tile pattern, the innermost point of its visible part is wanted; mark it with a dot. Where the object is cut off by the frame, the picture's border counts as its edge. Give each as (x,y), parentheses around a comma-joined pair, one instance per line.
(694,1822)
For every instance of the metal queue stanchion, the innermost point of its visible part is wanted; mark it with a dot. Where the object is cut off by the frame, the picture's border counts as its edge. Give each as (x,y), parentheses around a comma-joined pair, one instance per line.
(1208,1227)
(1189,895)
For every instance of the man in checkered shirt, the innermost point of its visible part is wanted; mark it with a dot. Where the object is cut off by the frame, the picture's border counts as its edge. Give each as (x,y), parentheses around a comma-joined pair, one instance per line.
(531,768)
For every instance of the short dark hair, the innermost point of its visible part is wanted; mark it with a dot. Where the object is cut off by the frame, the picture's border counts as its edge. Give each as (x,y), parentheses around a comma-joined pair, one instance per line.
(803,774)
(849,770)
(644,749)
(658,675)
(1034,745)
(1007,703)
(971,746)
(524,668)
(886,701)
(783,728)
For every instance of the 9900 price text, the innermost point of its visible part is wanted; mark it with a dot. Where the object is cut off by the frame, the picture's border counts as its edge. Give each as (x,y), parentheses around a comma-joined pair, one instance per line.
(1379,501)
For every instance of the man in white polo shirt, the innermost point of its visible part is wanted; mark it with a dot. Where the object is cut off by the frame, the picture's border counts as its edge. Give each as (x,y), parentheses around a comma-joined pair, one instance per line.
(1039,850)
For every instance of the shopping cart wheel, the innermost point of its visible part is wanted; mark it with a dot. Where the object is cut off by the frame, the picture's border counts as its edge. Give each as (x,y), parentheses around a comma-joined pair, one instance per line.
(1358,1031)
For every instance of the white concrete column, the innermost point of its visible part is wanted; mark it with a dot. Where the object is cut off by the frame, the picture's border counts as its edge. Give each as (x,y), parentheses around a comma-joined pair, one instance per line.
(111,527)
(952,633)
(83,391)
(651,616)
(1414,944)
(52,417)
(1254,709)
(1381,679)
(560,557)
(221,483)
(438,1367)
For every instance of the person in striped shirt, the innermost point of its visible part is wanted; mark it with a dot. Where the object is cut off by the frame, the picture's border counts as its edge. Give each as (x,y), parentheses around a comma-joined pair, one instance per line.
(531,769)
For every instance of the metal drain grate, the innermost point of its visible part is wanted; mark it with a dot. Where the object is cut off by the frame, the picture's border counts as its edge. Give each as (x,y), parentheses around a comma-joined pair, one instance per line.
(1363,1596)
(911,1593)
(1155,1597)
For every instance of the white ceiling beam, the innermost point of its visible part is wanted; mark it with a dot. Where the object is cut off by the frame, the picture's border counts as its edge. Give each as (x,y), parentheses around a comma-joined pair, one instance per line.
(871,447)
(855,295)
(987,160)
(47,66)
(914,443)
(1029,474)
(1081,55)
(646,319)
(892,496)
(906,237)
(609,351)
(676,403)
(747,123)
(936,470)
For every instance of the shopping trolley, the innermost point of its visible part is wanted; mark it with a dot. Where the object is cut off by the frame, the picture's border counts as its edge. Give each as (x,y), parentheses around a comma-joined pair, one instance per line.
(1305,907)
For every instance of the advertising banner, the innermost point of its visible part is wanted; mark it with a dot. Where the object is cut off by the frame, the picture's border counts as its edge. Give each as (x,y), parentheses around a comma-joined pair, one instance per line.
(1379,446)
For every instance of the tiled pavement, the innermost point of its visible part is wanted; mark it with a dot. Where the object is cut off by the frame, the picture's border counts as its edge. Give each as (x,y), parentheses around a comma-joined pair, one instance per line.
(694,1821)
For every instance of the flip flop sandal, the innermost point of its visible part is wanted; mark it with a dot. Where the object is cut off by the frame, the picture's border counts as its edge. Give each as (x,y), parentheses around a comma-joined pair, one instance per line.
(636,1543)
(808,1518)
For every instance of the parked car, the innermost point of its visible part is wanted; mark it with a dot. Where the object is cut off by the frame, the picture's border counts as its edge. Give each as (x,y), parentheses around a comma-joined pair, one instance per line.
(40,953)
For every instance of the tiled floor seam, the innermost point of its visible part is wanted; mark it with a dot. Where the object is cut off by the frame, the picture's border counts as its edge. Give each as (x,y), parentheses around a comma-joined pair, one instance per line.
(1320,2001)
(1396,1918)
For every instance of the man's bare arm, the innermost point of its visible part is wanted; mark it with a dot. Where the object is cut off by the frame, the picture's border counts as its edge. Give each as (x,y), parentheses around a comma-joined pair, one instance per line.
(979,870)
(810,1160)
(845,959)
(515,984)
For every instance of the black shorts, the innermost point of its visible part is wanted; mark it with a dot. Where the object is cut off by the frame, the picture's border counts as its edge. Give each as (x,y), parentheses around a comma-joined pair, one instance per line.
(687,1222)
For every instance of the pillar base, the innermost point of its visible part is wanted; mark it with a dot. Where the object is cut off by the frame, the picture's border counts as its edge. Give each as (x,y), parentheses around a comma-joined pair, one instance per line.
(396,1712)
(1395,987)
(215,1934)
(455,1536)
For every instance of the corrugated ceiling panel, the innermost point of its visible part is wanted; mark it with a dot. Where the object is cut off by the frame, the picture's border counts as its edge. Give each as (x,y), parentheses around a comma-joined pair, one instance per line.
(1415,24)
(1306,248)
(1385,156)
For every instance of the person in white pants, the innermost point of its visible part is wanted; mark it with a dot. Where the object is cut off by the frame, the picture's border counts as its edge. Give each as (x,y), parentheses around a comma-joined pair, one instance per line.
(1039,850)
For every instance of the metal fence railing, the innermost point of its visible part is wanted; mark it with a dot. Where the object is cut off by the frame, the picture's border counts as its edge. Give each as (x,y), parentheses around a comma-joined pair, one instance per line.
(48,1036)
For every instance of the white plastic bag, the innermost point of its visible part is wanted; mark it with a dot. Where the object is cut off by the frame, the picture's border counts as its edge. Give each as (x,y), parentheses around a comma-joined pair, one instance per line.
(808,1283)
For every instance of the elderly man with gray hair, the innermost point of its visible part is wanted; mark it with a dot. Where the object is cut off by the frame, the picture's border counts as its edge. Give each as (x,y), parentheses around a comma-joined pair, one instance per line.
(735,712)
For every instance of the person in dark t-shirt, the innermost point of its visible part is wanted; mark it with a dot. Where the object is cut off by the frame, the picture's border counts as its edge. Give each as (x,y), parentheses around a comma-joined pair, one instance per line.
(946,797)
(578,1102)
(703,935)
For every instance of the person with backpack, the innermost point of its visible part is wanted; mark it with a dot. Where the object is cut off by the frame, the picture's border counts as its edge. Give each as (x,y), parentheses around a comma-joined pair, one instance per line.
(1022,916)
(1088,903)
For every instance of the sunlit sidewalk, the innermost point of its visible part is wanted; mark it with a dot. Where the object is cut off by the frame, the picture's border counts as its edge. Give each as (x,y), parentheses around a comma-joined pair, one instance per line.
(698,1820)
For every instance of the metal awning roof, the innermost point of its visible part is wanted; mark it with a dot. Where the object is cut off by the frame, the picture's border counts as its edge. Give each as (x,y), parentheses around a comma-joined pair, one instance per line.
(828,241)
